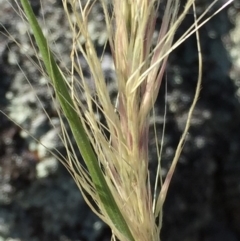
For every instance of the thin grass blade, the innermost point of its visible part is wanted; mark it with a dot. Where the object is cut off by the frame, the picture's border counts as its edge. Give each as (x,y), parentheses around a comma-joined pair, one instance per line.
(76,126)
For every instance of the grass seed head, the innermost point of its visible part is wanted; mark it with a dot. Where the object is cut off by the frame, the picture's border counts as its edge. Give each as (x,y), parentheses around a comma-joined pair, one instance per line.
(139,67)
(121,141)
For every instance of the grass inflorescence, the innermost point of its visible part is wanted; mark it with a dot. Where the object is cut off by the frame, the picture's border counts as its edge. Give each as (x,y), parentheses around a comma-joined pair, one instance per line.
(116,151)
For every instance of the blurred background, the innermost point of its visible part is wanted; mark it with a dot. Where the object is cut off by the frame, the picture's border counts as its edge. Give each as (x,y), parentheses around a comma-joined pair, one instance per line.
(38,198)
